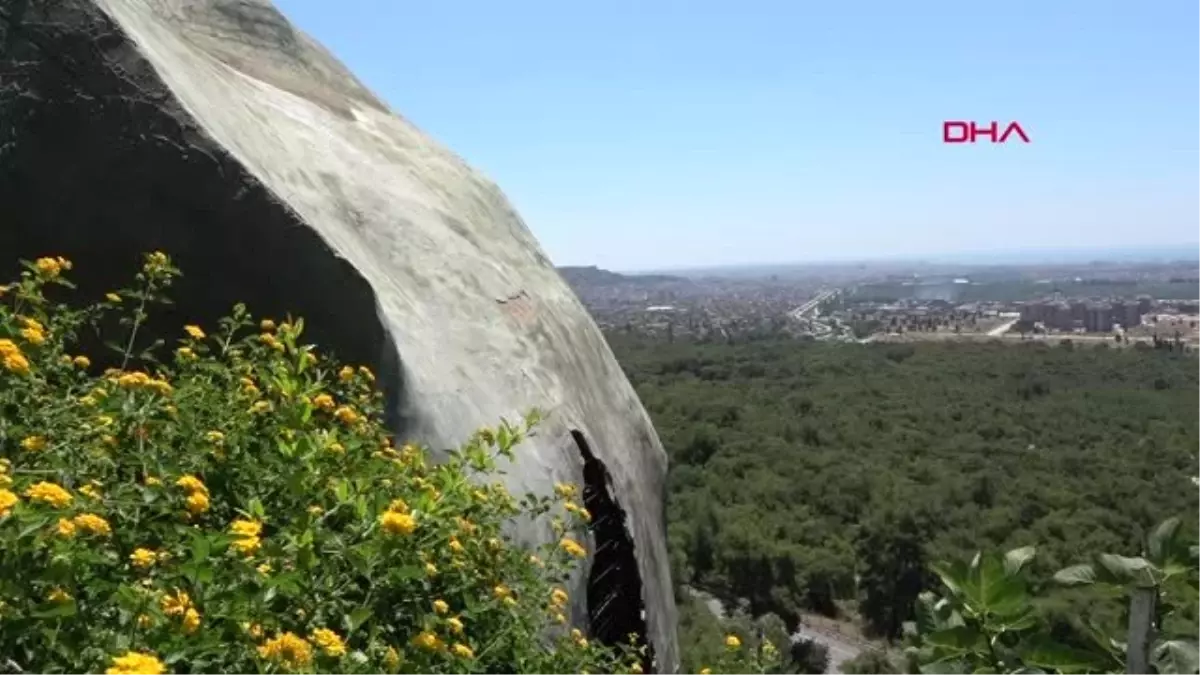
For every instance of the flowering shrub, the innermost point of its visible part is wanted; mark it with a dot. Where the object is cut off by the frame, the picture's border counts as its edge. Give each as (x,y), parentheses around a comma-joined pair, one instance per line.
(235,504)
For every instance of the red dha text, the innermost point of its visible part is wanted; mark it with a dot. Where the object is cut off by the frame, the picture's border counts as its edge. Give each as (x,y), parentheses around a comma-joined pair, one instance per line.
(967,132)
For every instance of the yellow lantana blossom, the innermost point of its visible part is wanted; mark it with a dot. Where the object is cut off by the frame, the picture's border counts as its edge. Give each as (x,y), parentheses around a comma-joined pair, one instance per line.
(462,651)
(65,528)
(50,493)
(197,503)
(92,523)
(33,443)
(191,621)
(8,499)
(572,547)
(397,523)
(330,642)
(191,484)
(288,649)
(136,663)
(142,558)
(176,604)
(428,641)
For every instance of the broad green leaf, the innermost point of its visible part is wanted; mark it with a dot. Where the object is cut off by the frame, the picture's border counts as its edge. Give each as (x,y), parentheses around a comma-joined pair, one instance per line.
(356,618)
(1016,559)
(1136,570)
(1177,656)
(994,592)
(959,639)
(953,575)
(1161,539)
(1023,620)
(1076,575)
(1046,653)
(200,548)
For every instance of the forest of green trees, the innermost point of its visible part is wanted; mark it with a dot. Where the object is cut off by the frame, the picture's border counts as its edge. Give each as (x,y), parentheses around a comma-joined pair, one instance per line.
(829,478)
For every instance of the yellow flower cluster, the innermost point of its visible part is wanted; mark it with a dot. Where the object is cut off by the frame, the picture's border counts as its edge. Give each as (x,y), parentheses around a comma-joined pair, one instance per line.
(12,359)
(395,522)
(197,494)
(329,642)
(50,268)
(288,649)
(246,536)
(140,380)
(578,510)
(142,558)
(33,443)
(136,663)
(33,331)
(50,493)
(194,332)
(93,524)
(271,341)
(8,499)
(347,415)
(572,547)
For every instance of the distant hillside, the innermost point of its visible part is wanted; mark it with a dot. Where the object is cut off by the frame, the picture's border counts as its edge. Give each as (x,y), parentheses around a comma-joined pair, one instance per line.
(594,276)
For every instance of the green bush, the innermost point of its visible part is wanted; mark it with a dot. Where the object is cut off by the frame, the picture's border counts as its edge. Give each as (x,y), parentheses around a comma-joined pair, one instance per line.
(239,506)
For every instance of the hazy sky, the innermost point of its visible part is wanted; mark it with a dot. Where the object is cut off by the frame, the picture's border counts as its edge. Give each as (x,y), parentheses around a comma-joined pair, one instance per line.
(637,134)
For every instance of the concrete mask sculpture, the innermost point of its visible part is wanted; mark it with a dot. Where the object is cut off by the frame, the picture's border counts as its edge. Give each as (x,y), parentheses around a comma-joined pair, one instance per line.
(214,130)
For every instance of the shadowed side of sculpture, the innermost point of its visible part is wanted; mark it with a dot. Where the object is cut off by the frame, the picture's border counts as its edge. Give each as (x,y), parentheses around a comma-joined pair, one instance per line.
(614,588)
(95,167)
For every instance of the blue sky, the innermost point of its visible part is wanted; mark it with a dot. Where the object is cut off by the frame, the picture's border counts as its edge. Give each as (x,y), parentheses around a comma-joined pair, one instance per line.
(654,134)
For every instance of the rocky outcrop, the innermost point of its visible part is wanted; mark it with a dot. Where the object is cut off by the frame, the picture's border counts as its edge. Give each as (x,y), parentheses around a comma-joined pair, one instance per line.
(214,130)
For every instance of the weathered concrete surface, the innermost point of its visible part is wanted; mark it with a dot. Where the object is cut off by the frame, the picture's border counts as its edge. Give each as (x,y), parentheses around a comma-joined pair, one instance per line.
(214,130)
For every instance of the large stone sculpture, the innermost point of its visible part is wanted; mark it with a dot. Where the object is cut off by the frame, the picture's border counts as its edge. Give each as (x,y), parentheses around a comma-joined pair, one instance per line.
(214,130)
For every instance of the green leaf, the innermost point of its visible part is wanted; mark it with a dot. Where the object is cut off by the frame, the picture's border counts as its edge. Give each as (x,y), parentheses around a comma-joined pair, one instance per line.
(356,618)
(953,575)
(60,609)
(1136,570)
(1027,618)
(406,572)
(1076,575)
(1177,656)
(1046,653)
(993,591)
(959,639)
(1161,539)
(201,547)
(1016,559)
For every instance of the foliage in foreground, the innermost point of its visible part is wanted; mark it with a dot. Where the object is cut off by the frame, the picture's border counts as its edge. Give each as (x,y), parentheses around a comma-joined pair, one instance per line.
(239,507)
(984,619)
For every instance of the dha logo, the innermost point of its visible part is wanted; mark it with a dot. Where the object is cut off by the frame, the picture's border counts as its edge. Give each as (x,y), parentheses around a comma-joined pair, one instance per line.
(967,132)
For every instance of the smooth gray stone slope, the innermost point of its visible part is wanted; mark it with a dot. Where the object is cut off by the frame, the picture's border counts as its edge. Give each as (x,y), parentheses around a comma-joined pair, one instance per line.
(215,130)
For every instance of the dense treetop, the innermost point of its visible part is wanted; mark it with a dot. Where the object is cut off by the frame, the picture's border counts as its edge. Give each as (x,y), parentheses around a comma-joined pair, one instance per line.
(825,476)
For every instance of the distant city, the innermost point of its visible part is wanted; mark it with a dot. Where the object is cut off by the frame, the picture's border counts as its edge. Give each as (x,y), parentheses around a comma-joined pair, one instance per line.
(1150,297)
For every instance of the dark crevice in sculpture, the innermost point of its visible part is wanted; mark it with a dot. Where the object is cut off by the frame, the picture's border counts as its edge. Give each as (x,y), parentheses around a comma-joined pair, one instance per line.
(95,168)
(614,589)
